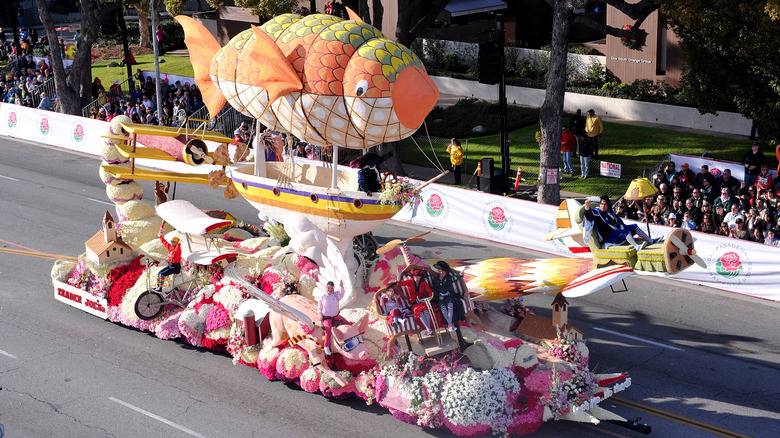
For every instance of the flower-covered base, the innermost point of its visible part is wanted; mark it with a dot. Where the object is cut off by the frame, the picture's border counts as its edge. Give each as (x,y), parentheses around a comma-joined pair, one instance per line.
(497,385)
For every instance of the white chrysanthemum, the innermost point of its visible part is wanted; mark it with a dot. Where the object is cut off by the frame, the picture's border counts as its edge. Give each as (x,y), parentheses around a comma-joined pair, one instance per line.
(306,285)
(230,297)
(471,397)
(61,270)
(238,234)
(119,194)
(135,210)
(110,154)
(136,233)
(107,178)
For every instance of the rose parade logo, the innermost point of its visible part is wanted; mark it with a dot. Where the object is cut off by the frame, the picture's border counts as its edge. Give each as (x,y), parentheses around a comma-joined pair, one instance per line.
(497,219)
(12,120)
(729,265)
(44,126)
(78,132)
(435,205)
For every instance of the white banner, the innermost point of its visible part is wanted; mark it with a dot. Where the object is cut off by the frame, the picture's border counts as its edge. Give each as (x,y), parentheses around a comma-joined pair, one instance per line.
(732,265)
(716,166)
(611,170)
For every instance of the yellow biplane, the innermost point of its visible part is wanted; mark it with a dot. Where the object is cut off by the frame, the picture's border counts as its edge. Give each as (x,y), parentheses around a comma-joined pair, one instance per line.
(165,143)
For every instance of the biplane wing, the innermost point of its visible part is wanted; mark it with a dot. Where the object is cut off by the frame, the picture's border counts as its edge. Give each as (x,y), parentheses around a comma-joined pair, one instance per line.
(595,280)
(156,175)
(126,150)
(171,131)
(188,218)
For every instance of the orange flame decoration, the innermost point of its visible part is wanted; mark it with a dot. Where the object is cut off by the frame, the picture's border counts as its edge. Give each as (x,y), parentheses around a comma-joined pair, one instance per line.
(504,277)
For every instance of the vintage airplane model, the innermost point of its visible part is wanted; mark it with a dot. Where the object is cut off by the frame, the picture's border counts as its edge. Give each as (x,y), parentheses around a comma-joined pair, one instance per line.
(501,278)
(166,143)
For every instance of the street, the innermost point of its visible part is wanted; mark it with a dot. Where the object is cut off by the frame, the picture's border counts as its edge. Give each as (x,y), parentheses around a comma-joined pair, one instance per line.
(702,362)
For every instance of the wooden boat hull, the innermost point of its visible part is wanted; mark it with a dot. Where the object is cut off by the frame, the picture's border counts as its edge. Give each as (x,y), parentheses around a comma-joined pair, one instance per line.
(339,213)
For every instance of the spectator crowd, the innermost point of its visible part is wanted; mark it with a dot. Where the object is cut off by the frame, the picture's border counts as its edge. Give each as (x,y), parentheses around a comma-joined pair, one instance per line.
(141,103)
(714,202)
(22,75)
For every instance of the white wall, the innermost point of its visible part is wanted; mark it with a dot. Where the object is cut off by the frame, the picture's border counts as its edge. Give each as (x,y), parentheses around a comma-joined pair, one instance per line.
(633,110)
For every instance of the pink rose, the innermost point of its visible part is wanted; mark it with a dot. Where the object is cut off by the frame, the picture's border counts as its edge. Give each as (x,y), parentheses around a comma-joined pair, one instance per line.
(45,124)
(79,131)
(730,261)
(12,118)
(498,215)
(435,202)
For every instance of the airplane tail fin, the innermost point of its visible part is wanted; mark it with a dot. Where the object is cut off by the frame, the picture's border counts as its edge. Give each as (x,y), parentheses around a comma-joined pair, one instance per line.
(565,220)
(202,47)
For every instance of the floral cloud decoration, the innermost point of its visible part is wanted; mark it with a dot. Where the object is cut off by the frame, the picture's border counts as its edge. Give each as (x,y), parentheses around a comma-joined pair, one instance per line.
(500,387)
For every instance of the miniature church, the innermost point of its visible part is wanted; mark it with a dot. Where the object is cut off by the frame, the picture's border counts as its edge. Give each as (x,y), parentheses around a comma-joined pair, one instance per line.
(105,246)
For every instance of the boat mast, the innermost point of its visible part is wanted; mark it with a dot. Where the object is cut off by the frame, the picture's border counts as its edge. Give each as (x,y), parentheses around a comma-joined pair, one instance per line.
(259,155)
(334,181)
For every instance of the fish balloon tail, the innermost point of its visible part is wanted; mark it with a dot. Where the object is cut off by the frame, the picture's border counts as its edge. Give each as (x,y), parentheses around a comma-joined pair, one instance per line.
(202,47)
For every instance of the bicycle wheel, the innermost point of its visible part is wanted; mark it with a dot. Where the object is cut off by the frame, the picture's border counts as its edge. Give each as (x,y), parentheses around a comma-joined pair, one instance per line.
(366,245)
(148,305)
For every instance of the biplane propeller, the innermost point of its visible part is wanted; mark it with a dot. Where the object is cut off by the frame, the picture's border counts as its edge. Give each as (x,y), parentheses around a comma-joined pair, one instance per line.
(393,244)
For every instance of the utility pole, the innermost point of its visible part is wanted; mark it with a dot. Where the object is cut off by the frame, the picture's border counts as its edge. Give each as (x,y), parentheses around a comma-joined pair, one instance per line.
(126,47)
(156,59)
(503,135)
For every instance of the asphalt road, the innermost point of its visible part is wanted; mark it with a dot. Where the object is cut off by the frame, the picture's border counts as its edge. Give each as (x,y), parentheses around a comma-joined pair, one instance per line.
(703,362)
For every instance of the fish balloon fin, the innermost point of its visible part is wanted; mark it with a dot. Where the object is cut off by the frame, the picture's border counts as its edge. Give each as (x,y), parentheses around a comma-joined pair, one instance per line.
(277,75)
(202,47)
(353,15)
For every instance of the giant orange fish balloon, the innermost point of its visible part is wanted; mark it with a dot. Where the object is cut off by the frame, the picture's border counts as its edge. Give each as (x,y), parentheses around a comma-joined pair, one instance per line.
(326,80)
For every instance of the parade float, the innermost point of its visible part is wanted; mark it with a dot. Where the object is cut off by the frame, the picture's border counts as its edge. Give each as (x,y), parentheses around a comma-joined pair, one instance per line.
(252,290)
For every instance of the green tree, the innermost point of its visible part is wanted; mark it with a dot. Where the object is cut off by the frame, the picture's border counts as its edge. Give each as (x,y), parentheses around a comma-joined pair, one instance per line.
(74,89)
(732,63)
(551,113)
(261,8)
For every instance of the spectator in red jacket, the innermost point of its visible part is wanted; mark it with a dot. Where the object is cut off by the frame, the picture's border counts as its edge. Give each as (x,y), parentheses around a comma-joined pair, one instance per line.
(567,147)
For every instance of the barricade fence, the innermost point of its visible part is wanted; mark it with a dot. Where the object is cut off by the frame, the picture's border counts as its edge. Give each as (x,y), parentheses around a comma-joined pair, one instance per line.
(733,265)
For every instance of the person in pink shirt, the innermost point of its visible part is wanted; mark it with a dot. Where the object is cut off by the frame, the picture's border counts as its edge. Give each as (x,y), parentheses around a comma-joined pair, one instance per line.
(328,308)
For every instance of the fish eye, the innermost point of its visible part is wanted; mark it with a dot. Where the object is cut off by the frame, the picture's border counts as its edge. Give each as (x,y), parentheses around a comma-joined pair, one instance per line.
(361,88)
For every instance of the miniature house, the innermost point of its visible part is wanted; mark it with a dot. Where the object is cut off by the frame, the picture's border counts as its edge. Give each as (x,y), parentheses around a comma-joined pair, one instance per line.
(105,246)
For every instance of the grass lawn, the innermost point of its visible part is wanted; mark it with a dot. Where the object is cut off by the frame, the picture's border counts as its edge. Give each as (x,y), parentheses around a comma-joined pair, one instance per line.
(176,65)
(638,149)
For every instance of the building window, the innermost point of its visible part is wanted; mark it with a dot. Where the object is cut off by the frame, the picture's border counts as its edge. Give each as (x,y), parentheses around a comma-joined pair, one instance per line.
(662,43)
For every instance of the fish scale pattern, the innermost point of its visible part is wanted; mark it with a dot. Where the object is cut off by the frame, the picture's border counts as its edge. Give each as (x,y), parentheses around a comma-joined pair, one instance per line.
(350,63)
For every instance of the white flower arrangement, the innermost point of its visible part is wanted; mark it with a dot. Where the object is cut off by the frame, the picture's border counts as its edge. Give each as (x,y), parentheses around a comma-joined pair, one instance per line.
(399,191)
(277,232)
(473,397)
(61,270)
(230,296)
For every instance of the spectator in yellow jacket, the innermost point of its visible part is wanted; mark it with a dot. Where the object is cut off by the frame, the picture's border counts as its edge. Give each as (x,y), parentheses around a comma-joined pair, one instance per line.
(456,158)
(594,127)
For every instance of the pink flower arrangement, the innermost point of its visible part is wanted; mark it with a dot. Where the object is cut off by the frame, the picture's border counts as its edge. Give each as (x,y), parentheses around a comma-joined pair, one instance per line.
(217,318)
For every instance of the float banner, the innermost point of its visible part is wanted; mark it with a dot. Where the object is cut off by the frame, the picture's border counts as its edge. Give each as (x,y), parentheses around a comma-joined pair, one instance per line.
(716,166)
(733,265)
(80,299)
(611,170)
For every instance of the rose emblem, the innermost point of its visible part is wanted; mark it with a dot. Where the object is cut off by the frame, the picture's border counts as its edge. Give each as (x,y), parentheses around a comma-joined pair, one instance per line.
(497,219)
(435,205)
(78,133)
(729,265)
(12,120)
(45,126)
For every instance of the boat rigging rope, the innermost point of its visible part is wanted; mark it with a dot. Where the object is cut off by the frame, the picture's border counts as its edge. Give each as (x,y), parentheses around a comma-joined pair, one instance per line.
(440,167)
